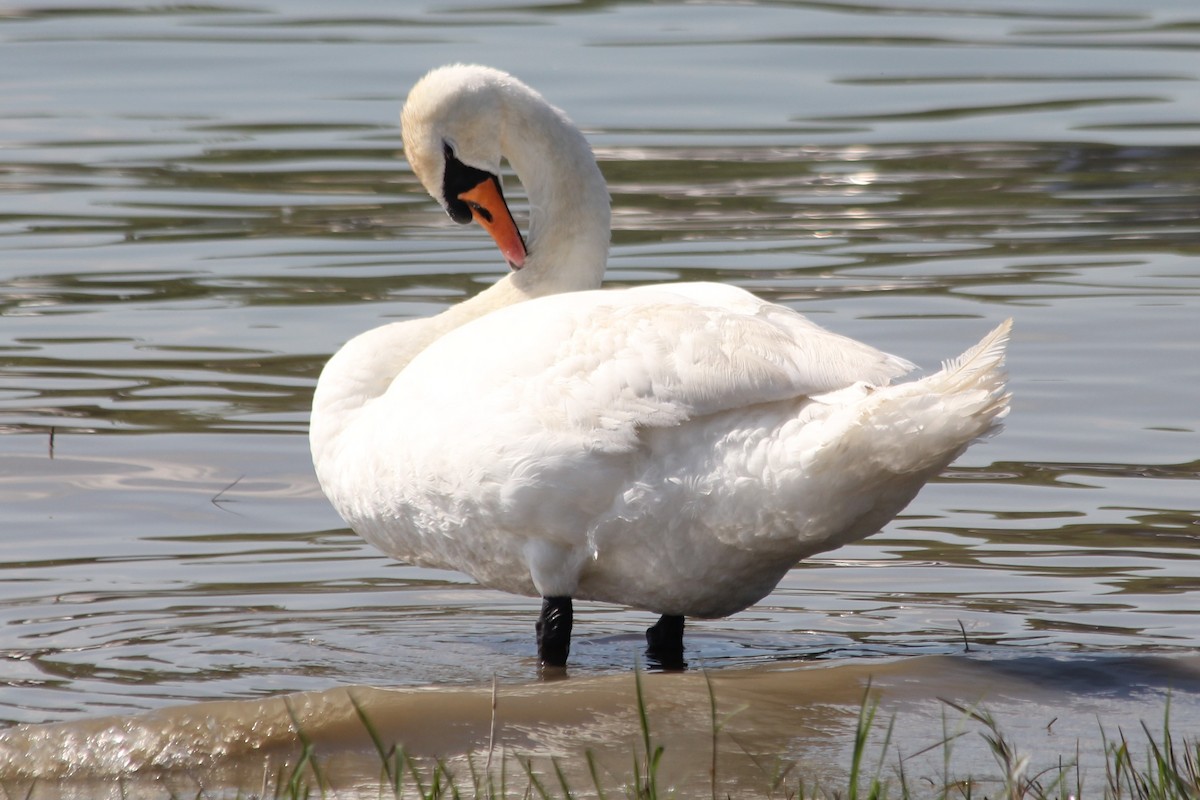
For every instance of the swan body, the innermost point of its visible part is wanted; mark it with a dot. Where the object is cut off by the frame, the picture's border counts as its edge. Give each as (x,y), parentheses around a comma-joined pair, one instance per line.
(675,448)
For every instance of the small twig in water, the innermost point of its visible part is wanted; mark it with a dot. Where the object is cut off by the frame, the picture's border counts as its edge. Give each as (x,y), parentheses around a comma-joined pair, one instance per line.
(52,432)
(216,498)
(966,642)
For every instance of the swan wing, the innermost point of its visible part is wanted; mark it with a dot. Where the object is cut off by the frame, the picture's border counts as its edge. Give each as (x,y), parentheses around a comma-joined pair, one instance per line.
(604,364)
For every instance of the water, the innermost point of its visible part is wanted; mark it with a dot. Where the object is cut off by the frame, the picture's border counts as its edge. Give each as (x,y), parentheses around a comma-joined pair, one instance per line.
(198,204)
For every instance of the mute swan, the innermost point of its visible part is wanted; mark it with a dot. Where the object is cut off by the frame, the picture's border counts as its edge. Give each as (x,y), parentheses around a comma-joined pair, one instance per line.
(674,448)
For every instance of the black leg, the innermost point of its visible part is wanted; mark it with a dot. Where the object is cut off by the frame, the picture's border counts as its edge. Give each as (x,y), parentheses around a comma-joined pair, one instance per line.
(554,631)
(664,640)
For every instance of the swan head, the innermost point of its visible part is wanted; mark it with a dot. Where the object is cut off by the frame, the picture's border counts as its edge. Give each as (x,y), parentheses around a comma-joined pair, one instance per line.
(451,127)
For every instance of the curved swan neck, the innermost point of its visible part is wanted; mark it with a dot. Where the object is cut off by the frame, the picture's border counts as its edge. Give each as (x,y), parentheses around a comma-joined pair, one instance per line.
(483,116)
(569,208)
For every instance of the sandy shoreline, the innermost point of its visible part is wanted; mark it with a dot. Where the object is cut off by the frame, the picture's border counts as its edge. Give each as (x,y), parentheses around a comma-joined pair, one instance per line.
(766,717)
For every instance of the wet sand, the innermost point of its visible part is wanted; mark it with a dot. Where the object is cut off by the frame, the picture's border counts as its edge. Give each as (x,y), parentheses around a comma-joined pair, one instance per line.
(791,719)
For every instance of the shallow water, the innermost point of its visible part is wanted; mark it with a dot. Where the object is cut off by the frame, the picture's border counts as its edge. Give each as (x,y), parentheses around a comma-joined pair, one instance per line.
(752,731)
(198,204)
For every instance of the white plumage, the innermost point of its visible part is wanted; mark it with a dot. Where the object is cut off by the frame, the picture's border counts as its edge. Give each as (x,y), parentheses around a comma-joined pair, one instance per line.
(675,448)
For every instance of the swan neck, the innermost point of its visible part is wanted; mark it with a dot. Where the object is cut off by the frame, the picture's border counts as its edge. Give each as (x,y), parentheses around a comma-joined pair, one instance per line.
(569,209)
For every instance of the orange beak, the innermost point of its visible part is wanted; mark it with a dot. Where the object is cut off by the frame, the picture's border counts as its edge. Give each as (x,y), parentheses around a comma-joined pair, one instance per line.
(486,201)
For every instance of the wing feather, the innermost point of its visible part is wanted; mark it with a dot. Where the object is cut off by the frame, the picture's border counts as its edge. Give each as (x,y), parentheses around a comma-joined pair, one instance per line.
(608,362)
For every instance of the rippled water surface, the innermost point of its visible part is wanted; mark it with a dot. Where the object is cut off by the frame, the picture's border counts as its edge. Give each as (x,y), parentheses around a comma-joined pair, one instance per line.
(200,203)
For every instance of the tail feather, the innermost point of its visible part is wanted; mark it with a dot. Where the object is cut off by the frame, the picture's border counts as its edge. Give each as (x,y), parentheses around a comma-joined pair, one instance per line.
(923,425)
(986,356)
(884,444)
(981,368)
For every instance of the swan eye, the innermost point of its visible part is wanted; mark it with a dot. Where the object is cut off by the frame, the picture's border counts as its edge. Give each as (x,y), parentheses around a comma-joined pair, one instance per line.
(480,211)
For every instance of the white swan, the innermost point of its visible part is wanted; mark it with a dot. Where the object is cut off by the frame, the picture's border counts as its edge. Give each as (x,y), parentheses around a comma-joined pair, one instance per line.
(674,448)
